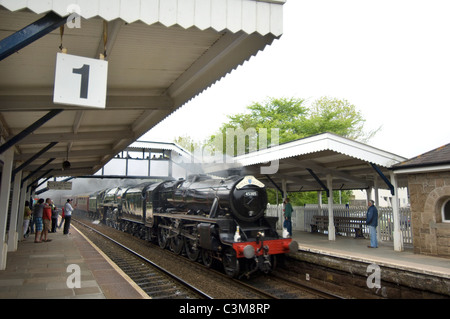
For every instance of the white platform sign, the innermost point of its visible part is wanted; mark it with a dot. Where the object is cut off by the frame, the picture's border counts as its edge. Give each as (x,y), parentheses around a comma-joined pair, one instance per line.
(59,185)
(80,81)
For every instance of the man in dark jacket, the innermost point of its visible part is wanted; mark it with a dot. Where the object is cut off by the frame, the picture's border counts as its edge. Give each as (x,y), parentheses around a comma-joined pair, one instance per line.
(372,222)
(287,216)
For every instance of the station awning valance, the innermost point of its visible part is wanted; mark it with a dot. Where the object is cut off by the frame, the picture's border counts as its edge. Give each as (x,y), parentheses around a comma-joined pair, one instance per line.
(261,16)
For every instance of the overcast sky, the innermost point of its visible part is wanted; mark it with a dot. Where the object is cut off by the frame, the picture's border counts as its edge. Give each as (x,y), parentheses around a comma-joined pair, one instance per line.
(390,58)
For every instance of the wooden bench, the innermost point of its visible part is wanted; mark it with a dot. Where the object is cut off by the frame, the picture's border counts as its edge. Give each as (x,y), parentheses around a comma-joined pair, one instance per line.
(348,226)
(320,224)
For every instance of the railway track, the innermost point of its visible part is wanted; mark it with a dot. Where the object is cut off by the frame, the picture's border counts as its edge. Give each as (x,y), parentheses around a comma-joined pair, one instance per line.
(212,282)
(156,281)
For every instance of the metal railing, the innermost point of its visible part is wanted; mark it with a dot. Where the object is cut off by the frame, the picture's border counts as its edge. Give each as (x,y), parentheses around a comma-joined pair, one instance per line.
(303,218)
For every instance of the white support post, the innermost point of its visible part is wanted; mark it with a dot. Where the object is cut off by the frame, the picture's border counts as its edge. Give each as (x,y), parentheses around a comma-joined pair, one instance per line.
(13,234)
(319,201)
(377,202)
(377,196)
(331,228)
(369,194)
(284,188)
(398,236)
(5,187)
(23,198)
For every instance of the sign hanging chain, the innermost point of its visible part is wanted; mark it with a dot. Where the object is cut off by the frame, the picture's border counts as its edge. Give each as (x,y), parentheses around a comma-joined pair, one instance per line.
(105,39)
(61,33)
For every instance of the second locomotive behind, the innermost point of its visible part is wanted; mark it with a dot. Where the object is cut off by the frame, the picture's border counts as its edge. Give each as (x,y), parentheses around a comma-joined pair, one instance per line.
(208,219)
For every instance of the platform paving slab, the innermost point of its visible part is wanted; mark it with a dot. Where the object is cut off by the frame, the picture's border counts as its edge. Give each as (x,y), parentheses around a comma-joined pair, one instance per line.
(40,271)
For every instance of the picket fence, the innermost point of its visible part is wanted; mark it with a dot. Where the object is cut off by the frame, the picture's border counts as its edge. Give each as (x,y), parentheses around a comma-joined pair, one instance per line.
(303,218)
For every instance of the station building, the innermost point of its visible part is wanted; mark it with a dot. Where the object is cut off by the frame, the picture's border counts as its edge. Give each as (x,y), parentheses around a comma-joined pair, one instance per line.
(429,192)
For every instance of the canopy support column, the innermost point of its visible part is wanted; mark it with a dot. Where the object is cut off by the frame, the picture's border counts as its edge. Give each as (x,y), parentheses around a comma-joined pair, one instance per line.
(331,228)
(398,236)
(284,188)
(24,196)
(13,222)
(377,202)
(8,158)
(319,203)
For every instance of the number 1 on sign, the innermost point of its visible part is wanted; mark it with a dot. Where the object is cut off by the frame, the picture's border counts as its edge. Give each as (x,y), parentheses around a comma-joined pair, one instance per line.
(80,81)
(84,72)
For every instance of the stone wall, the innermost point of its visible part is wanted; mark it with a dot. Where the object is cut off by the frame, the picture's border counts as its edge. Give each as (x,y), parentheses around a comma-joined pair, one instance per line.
(428,192)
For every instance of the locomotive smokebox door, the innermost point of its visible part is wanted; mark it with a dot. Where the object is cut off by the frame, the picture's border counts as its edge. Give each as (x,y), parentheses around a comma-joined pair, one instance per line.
(249,203)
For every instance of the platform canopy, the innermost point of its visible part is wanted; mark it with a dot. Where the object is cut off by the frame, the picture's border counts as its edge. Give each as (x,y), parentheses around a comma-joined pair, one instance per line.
(160,53)
(304,164)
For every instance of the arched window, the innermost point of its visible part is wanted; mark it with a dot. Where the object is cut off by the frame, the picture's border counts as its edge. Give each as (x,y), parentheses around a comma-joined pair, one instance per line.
(446,211)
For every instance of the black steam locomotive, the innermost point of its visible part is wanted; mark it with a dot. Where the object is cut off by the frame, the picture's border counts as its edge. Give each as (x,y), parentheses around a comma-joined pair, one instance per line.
(208,219)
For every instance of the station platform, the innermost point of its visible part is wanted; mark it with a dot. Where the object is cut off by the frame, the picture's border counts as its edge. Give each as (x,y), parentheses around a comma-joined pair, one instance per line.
(41,271)
(356,249)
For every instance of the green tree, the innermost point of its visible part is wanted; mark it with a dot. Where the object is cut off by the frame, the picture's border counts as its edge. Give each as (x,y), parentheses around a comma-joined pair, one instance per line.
(283,113)
(336,116)
(286,114)
(295,120)
(187,143)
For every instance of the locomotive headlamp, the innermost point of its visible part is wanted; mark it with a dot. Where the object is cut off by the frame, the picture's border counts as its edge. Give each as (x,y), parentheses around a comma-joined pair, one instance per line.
(249,251)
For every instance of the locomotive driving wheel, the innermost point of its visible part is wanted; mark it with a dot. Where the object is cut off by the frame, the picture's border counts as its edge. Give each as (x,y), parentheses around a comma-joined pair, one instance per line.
(191,243)
(230,262)
(192,250)
(176,244)
(163,235)
(176,239)
(207,257)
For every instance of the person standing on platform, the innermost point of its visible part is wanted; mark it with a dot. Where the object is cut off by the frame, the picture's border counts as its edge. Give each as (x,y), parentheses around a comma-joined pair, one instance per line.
(68,209)
(54,217)
(372,222)
(46,218)
(38,211)
(26,218)
(287,216)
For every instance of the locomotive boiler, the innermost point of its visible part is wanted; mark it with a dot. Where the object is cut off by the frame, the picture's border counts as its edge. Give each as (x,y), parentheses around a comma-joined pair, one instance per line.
(207,219)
